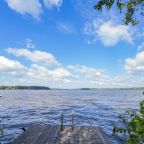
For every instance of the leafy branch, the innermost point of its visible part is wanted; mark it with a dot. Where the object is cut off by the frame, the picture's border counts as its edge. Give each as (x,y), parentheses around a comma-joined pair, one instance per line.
(130,8)
(132,130)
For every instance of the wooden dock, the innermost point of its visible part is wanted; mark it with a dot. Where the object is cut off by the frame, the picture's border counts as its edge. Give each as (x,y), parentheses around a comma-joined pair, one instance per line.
(49,134)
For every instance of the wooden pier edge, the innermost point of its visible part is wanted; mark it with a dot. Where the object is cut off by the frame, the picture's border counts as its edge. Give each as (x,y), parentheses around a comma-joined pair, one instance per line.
(52,134)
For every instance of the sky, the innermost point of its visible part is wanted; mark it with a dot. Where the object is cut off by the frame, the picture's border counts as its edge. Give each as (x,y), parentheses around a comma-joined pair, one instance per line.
(67,44)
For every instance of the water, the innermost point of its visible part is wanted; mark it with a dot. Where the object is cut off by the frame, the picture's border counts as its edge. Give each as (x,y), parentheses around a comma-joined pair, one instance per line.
(22,108)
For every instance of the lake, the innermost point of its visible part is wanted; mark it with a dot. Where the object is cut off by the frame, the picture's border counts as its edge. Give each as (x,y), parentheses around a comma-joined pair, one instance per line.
(22,108)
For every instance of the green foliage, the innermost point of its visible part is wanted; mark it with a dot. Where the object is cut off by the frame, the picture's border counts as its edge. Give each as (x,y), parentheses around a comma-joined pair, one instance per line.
(130,8)
(132,130)
(1,130)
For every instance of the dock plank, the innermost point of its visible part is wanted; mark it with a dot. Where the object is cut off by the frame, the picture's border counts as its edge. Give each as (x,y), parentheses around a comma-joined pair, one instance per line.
(51,137)
(24,135)
(46,135)
(37,136)
(46,132)
(51,134)
(31,135)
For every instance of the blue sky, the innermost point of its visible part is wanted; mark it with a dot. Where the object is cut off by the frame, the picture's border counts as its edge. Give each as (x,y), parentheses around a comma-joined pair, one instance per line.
(67,44)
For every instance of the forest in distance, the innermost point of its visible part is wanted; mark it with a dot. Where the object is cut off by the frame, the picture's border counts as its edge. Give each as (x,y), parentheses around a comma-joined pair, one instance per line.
(24,88)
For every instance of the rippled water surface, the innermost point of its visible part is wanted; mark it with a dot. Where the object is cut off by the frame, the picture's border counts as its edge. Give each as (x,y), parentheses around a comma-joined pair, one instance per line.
(21,108)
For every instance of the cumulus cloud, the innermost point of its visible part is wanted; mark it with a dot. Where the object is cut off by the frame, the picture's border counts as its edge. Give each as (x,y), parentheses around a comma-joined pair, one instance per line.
(53,3)
(72,76)
(136,64)
(88,72)
(61,73)
(44,72)
(42,69)
(95,78)
(107,32)
(106,81)
(36,56)
(89,75)
(39,72)
(31,7)
(35,74)
(7,65)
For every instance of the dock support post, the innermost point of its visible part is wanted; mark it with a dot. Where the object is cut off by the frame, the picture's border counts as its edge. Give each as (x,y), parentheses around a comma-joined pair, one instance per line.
(72,121)
(62,122)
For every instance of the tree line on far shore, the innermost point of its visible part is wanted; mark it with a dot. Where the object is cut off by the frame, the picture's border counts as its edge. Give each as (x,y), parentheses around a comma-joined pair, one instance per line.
(24,88)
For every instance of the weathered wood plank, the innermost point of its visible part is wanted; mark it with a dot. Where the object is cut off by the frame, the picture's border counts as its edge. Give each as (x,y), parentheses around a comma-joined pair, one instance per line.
(32,135)
(51,137)
(42,136)
(48,134)
(103,136)
(38,136)
(54,134)
(24,135)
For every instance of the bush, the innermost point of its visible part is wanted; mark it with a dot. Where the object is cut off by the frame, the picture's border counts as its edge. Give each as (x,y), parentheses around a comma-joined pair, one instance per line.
(132,129)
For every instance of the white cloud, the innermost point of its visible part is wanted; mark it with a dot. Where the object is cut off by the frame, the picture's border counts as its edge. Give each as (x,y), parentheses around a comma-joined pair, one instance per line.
(87,71)
(39,72)
(89,76)
(32,7)
(94,78)
(61,73)
(107,32)
(73,76)
(7,65)
(44,69)
(136,64)
(36,56)
(53,3)
(44,72)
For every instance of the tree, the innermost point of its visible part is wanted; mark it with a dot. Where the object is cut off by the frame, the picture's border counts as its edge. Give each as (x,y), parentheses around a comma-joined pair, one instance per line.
(130,8)
(132,128)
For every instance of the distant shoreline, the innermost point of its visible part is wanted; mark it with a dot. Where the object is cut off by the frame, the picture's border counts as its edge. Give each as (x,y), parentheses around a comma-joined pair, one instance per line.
(134,88)
(24,88)
(48,88)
